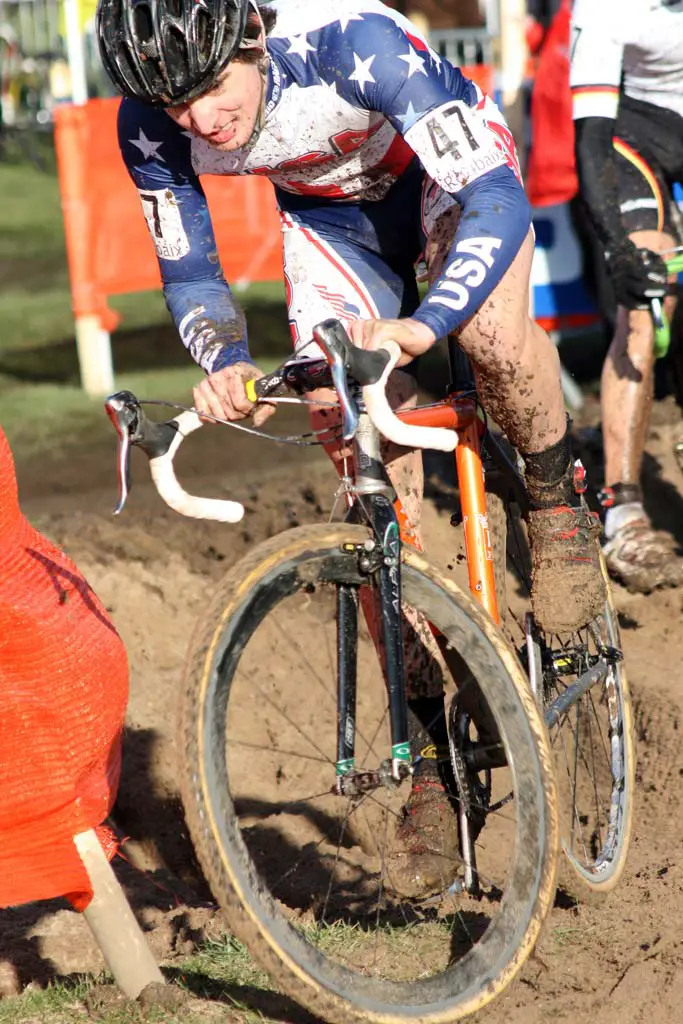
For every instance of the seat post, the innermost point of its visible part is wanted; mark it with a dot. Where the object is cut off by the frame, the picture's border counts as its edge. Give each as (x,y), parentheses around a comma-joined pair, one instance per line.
(460,368)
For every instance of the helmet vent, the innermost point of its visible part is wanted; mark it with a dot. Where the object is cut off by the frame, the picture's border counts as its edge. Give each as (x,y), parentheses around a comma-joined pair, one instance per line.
(204,31)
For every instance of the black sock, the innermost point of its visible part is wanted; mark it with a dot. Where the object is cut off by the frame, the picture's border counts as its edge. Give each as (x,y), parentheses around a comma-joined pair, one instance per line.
(549,474)
(427,733)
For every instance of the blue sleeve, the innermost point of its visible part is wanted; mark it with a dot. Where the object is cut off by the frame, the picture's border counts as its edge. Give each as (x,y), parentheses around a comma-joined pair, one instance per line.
(495,220)
(157,154)
(461,140)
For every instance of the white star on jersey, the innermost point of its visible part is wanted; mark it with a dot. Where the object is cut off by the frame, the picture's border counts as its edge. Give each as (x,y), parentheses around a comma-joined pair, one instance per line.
(361,73)
(414,62)
(300,46)
(147,147)
(409,116)
(344,20)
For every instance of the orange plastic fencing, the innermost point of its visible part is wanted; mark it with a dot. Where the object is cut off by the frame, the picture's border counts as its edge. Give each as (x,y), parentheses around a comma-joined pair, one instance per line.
(63,695)
(108,248)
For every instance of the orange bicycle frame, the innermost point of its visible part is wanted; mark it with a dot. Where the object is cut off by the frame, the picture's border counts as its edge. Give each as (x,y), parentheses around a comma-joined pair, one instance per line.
(460,414)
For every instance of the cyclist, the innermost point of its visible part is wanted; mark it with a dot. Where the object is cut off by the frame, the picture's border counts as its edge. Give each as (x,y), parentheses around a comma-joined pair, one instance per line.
(379,152)
(627,84)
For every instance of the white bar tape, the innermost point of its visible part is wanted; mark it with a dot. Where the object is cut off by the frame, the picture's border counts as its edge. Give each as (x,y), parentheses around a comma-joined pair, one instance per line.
(179,500)
(394,429)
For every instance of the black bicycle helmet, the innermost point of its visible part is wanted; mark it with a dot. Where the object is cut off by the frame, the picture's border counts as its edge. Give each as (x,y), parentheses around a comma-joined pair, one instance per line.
(166,52)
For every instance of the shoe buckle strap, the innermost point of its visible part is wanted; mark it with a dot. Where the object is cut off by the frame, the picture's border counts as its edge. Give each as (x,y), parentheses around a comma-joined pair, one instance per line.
(579,479)
(620,494)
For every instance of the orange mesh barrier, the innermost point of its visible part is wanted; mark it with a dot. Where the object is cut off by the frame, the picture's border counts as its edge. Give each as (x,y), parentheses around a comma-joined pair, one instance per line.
(63,695)
(108,248)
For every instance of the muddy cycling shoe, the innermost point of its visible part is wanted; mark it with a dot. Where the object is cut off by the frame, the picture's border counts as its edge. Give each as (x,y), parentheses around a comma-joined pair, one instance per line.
(641,558)
(567,584)
(425,855)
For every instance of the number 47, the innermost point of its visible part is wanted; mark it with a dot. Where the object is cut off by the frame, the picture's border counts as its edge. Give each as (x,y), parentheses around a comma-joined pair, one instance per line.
(442,142)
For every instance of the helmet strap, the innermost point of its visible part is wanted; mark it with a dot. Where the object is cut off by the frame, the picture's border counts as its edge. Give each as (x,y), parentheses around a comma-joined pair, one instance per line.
(261,115)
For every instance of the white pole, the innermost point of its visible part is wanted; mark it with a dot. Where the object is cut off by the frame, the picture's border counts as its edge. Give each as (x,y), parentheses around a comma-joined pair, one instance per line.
(513,57)
(113,923)
(92,341)
(75,52)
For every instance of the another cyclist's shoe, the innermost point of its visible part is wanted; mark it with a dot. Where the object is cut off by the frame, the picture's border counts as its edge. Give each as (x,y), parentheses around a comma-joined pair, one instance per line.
(567,584)
(425,856)
(641,558)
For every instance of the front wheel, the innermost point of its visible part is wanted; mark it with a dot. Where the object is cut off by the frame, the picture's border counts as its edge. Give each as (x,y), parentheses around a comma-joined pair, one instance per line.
(301,865)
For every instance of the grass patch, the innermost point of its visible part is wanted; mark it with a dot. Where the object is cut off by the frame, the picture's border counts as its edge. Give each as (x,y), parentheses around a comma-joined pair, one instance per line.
(68,1003)
(56,1003)
(568,935)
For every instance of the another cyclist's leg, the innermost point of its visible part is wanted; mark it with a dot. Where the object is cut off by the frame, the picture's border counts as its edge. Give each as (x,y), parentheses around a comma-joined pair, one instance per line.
(328,277)
(518,378)
(641,558)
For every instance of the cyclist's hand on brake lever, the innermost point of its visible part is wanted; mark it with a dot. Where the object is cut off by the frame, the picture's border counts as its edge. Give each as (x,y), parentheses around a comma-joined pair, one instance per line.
(223,394)
(412,337)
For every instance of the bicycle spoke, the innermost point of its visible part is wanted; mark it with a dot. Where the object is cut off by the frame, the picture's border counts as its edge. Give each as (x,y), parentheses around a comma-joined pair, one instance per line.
(279,750)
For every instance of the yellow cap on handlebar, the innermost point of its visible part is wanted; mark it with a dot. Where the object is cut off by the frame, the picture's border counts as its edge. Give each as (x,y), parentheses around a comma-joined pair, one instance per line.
(250,388)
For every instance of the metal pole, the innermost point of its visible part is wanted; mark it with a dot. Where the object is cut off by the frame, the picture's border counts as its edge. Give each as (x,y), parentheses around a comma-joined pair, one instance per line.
(92,340)
(75,52)
(513,57)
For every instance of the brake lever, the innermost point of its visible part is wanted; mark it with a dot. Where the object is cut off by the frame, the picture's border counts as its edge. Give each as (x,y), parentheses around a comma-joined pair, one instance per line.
(334,342)
(160,443)
(124,411)
(133,428)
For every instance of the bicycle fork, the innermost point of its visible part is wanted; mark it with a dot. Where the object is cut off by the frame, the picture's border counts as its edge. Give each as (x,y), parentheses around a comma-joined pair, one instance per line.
(380,557)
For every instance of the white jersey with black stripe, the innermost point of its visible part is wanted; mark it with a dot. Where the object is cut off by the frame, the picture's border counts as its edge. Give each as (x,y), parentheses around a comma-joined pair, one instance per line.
(629,46)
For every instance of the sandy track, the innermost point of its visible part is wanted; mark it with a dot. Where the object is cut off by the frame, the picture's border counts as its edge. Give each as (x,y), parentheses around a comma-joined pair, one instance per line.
(613,959)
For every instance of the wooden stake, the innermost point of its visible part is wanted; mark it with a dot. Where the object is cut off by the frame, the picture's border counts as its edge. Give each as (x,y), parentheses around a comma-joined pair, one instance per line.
(113,923)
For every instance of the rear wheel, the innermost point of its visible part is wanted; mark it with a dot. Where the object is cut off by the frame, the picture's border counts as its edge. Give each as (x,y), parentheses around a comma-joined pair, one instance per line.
(302,864)
(591,733)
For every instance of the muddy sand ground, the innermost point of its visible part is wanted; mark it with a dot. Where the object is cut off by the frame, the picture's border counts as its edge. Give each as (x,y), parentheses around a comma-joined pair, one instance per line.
(616,959)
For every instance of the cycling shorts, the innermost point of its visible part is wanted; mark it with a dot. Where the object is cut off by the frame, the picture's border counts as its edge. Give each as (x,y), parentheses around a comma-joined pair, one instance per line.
(648,142)
(356,260)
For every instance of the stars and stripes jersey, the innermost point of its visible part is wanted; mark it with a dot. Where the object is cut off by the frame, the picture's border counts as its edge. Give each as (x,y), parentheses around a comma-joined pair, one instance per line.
(355,101)
(634,47)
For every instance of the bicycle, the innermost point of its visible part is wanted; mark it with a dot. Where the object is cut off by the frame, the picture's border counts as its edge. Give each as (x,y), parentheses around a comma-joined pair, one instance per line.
(337,939)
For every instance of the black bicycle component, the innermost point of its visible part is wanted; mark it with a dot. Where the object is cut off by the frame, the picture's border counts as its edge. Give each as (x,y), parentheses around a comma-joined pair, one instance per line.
(511,484)
(297,377)
(362,365)
(347,656)
(133,428)
(460,368)
(348,363)
(385,526)
(570,696)
(356,784)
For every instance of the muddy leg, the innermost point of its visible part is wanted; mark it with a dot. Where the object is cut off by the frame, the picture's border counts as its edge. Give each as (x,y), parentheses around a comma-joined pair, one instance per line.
(516,365)
(636,554)
(627,383)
